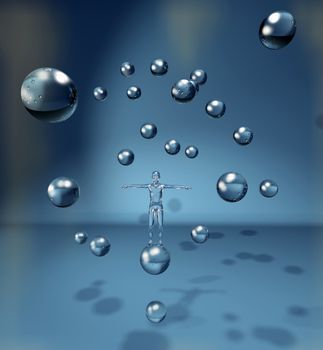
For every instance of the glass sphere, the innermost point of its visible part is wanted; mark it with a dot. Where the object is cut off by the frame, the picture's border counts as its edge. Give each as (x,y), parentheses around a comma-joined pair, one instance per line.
(80,237)
(127,69)
(191,151)
(184,90)
(63,192)
(199,76)
(243,136)
(268,188)
(232,187)
(215,108)
(133,92)
(100,93)
(277,30)
(172,147)
(155,259)
(159,67)
(200,234)
(126,157)
(148,130)
(50,95)
(156,311)
(100,246)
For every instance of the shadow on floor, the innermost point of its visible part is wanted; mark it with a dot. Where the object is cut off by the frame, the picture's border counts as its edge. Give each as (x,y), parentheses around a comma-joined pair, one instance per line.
(187,246)
(275,336)
(87,294)
(107,306)
(261,258)
(145,340)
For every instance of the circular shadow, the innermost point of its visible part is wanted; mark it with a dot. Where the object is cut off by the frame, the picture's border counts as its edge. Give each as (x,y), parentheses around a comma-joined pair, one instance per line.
(107,306)
(293,270)
(87,294)
(248,232)
(145,340)
(228,262)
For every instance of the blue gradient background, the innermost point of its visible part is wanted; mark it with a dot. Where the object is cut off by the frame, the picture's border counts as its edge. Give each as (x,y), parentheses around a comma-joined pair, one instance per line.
(55,294)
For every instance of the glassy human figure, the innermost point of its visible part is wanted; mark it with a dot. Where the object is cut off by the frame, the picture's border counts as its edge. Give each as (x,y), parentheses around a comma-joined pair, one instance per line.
(156,211)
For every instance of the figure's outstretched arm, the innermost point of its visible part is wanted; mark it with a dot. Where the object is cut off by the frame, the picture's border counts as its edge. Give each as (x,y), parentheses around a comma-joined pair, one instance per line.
(135,186)
(178,187)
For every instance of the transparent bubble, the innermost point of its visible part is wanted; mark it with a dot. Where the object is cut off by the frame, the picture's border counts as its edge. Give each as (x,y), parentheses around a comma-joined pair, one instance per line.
(133,92)
(155,259)
(268,188)
(191,151)
(243,135)
(199,76)
(100,246)
(184,90)
(80,237)
(277,30)
(215,108)
(172,147)
(156,311)
(100,93)
(63,191)
(232,187)
(126,157)
(200,234)
(148,130)
(58,93)
(127,69)
(159,67)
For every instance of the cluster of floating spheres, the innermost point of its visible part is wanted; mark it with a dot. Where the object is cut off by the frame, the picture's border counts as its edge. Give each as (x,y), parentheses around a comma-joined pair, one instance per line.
(156,311)
(232,187)
(134,92)
(191,151)
(49,94)
(148,130)
(215,108)
(155,259)
(63,192)
(268,188)
(172,147)
(127,69)
(100,93)
(277,30)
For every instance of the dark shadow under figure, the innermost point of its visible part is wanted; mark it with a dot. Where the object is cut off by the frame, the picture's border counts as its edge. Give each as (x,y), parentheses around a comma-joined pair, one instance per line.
(248,233)
(107,306)
(216,235)
(204,279)
(179,312)
(174,205)
(142,340)
(187,245)
(275,336)
(87,294)
(234,335)
(293,270)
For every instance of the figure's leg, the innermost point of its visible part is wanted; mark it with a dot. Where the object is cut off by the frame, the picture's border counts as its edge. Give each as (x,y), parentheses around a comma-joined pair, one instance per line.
(160,219)
(151,225)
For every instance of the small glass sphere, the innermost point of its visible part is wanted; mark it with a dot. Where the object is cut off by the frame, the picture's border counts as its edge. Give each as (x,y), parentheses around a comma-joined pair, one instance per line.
(232,187)
(155,259)
(133,92)
(148,130)
(100,246)
(277,30)
(184,90)
(199,76)
(80,237)
(127,69)
(126,157)
(50,95)
(172,147)
(191,151)
(159,67)
(63,192)
(200,234)
(156,311)
(215,108)
(100,93)
(243,135)
(268,188)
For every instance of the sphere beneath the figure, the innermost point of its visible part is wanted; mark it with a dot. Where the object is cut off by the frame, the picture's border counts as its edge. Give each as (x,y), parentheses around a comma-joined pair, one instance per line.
(155,259)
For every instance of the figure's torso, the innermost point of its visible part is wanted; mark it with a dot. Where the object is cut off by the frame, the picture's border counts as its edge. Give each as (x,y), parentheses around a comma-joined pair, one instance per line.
(156,193)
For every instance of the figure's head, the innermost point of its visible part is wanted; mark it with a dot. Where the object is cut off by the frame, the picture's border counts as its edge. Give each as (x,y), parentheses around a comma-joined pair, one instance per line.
(156,176)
